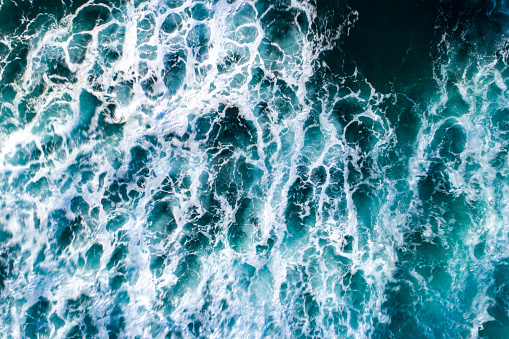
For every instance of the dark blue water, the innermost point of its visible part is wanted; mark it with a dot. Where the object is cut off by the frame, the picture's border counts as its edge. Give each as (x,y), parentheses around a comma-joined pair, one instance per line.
(254,169)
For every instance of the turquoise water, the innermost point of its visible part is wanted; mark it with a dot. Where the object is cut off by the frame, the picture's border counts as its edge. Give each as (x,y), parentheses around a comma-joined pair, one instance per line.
(254,169)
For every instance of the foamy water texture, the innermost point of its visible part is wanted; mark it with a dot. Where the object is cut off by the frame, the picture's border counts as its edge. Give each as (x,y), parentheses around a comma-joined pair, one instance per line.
(254,169)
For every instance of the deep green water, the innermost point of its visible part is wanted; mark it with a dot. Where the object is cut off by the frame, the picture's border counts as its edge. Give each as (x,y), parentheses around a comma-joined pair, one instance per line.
(254,169)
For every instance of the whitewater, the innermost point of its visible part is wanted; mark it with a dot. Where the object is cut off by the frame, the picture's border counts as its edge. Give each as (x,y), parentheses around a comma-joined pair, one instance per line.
(254,169)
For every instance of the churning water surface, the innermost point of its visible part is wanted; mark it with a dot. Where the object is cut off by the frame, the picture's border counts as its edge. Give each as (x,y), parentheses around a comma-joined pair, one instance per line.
(254,169)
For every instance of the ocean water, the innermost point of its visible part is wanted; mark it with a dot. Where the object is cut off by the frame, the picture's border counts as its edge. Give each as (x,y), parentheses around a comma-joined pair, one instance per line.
(254,169)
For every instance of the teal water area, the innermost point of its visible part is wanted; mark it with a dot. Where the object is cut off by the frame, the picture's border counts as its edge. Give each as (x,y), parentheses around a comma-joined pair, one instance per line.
(254,169)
